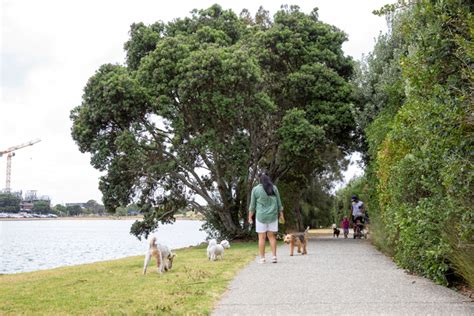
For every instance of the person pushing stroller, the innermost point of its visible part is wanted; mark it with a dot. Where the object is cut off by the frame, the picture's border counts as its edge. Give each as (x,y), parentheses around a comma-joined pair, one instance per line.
(357,215)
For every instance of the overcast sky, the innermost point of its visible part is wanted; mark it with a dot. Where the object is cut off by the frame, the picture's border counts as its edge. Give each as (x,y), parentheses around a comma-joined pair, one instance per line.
(49,49)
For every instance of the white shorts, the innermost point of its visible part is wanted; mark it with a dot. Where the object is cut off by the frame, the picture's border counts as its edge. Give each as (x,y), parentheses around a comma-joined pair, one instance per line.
(266,227)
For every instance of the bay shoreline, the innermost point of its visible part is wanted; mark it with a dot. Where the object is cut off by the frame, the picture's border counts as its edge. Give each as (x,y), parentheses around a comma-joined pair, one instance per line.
(92,218)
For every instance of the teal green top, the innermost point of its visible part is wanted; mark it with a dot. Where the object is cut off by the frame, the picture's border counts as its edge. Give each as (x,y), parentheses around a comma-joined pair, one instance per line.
(266,206)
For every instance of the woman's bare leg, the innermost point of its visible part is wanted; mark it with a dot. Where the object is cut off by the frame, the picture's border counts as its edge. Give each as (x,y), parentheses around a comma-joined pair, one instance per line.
(273,242)
(261,244)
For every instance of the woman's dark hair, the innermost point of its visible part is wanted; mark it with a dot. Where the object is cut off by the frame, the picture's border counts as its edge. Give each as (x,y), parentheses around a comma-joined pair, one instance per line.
(267,184)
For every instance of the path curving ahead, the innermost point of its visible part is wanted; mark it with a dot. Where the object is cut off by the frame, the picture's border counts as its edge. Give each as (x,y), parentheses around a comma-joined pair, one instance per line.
(328,281)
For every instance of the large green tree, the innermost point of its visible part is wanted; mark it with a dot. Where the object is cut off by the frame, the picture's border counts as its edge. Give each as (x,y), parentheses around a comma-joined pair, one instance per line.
(203,103)
(60,210)
(42,206)
(93,207)
(74,210)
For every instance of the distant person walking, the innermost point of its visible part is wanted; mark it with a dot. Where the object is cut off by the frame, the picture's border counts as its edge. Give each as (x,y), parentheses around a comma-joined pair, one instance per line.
(265,203)
(357,208)
(345,226)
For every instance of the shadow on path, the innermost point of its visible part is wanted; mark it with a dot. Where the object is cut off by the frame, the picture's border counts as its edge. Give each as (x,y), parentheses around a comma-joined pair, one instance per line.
(338,276)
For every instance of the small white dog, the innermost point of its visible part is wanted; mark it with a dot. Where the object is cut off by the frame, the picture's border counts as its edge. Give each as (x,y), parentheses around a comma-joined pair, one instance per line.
(163,255)
(212,243)
(215,250)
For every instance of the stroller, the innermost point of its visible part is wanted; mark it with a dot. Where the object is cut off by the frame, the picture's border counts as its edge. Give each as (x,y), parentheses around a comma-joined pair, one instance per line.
(359,228)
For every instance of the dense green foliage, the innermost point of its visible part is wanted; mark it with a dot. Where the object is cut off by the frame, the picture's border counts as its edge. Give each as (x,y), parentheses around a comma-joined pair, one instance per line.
(308,199)
(59,210)
(342,200)
(93,207)
(9,202)
(73,210)
(416,112)
(206,102)
(42,206)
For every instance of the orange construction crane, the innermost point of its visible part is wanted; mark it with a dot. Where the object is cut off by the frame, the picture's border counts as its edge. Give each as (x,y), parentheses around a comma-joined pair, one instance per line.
(10,153)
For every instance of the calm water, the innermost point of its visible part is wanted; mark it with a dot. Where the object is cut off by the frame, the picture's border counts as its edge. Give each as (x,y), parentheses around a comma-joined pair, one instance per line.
(37,245)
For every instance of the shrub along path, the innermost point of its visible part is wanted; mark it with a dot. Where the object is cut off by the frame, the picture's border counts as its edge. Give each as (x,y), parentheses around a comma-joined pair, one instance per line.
(338,276)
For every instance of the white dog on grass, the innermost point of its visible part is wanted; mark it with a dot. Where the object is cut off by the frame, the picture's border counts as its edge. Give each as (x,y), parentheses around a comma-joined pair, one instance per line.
(162,254)
(215,250)
(212,243)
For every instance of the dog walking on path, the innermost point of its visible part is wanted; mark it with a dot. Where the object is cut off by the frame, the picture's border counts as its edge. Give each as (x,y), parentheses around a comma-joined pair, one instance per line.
(300,240)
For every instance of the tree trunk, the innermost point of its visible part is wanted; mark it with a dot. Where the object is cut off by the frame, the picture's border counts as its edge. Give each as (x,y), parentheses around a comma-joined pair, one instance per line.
(299,218)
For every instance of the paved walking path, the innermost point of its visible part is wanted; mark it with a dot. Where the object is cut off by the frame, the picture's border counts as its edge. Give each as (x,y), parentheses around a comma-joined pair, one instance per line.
(338,276)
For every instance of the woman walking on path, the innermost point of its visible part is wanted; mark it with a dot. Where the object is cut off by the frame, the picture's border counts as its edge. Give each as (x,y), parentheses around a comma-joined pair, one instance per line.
(265,202)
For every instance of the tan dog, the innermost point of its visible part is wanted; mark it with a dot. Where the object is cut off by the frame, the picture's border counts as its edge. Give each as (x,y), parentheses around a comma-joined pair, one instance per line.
(300,240)
(163,255)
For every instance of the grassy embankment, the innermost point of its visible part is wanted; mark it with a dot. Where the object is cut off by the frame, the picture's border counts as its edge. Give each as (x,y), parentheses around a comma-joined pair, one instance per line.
(193,286)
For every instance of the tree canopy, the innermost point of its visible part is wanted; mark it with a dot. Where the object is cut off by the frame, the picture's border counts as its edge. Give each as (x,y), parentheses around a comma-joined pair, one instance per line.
(42,206)
(205,102)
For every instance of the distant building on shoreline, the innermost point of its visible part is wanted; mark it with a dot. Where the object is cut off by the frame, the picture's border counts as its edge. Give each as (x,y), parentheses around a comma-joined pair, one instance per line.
(31,197)
(16,201)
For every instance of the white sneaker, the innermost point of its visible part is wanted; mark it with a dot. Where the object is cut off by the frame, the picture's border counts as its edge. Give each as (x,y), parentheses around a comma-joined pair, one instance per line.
(262,260)
(274,259)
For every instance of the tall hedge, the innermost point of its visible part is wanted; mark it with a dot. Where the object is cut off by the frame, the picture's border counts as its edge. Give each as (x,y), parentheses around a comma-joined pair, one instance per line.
(419,137)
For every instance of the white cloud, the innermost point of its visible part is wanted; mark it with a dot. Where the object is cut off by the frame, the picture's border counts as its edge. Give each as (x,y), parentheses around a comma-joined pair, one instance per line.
(50,48)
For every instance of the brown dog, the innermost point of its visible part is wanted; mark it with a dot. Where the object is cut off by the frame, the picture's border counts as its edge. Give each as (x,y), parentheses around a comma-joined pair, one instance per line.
(299,240)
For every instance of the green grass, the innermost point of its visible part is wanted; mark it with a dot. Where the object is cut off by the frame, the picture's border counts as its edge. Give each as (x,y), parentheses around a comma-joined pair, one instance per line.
(118,287)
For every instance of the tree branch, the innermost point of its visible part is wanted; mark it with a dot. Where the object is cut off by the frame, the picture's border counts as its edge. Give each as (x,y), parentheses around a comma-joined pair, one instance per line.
(195,188)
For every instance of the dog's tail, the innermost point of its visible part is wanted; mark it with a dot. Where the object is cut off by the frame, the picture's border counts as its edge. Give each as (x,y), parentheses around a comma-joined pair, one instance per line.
(306,230)
(152,241)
